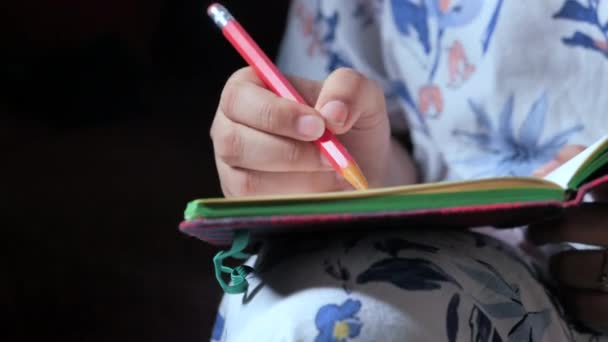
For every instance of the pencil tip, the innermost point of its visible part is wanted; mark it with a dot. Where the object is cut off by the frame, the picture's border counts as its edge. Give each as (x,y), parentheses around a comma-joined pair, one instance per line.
(355,177)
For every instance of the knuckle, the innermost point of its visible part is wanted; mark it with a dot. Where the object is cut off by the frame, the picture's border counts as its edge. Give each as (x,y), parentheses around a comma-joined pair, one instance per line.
(345,71)
(228,146)
(213,131)
(267,117)
(232,91)
(229,97)
(241,74)
(359,83)
(354,77)
(292,152)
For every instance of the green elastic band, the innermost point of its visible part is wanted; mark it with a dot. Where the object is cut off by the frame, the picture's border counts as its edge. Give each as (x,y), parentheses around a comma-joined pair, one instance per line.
(238,283)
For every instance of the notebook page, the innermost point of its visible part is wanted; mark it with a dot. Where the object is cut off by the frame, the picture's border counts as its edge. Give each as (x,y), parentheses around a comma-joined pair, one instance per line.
(562,175)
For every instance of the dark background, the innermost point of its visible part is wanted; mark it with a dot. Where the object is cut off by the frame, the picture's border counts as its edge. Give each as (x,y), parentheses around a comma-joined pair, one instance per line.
(105,108)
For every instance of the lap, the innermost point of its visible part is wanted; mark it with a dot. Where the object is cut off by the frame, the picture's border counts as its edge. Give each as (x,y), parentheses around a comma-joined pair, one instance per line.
(414,286)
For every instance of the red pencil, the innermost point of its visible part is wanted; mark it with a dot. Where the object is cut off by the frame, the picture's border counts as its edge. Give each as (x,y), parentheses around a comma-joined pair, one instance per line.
(330,147)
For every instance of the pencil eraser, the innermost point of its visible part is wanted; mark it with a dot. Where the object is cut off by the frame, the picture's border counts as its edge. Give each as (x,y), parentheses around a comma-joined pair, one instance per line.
(212,8)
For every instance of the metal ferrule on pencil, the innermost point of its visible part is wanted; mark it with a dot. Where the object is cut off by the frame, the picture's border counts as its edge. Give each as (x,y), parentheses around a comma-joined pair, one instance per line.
(219,14)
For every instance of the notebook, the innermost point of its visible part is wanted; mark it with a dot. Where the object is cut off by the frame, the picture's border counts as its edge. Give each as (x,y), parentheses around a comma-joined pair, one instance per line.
(498,202)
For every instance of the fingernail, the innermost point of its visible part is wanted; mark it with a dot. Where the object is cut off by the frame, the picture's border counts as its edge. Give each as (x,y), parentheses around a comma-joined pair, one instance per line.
(310,126)
(335,112)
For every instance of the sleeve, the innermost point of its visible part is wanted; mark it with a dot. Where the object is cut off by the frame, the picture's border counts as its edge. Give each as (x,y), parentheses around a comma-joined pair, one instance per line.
(323,35)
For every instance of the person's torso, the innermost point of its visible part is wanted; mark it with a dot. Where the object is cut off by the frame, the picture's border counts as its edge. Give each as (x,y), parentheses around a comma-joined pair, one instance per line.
(489,87)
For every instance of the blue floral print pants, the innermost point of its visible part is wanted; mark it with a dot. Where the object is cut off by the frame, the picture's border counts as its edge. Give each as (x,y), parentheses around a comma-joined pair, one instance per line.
(406,286)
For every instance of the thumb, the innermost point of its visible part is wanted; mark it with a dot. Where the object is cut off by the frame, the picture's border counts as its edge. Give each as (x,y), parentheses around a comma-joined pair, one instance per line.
(350,100)
(354,108)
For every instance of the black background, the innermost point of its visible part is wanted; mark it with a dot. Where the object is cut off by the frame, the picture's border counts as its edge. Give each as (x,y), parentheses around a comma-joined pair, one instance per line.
(105,108)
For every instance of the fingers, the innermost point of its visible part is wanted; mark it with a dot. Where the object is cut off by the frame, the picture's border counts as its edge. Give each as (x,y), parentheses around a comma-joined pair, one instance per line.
(585,224)
(238,182)
(240,146)
(354,108)
(569,152)
(564,155)
(262,142)
(546,168)
(244,100)
(345,98)
(309,89)
(348,98)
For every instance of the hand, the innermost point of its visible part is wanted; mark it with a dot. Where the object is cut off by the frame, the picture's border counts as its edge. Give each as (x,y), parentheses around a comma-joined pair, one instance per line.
(578,272)
(262,142)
